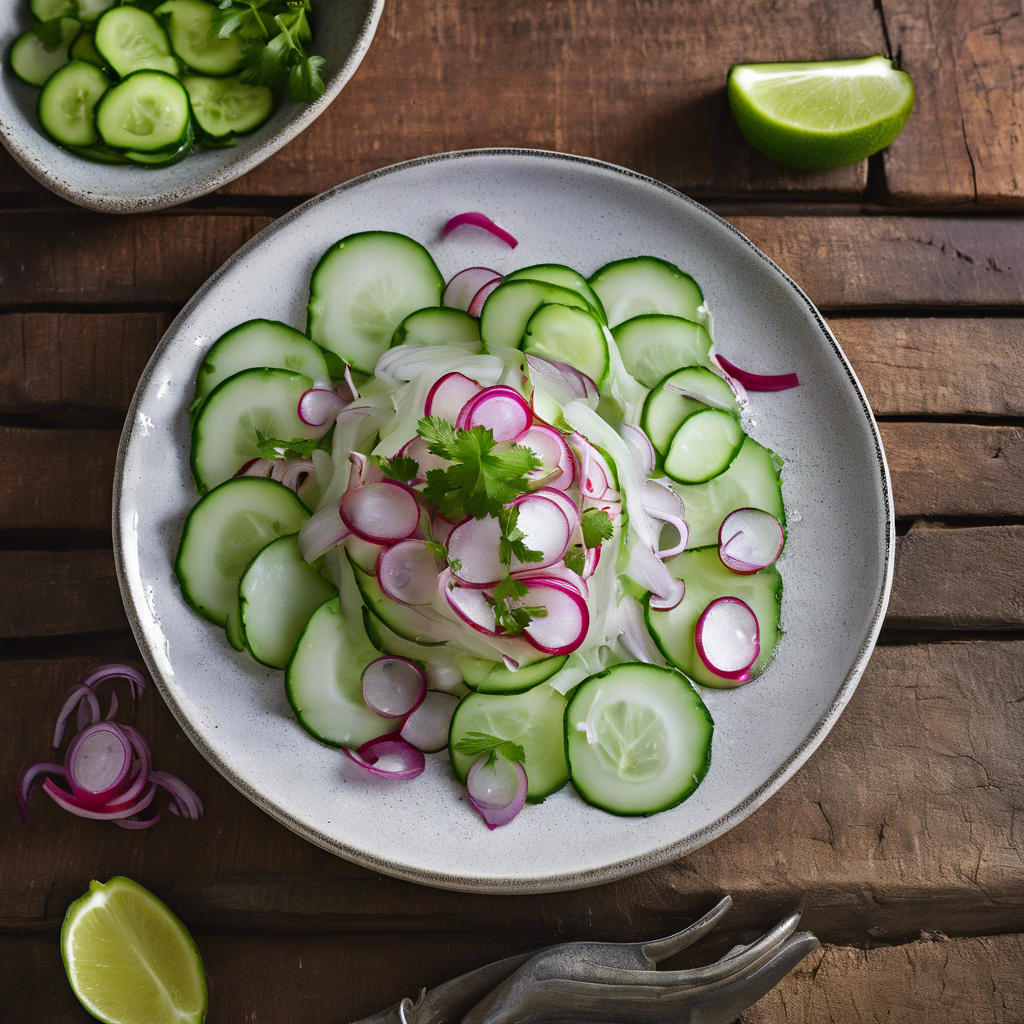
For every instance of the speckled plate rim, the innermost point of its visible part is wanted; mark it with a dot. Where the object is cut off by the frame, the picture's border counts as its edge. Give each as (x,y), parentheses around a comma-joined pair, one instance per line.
(210,182)
(570,880)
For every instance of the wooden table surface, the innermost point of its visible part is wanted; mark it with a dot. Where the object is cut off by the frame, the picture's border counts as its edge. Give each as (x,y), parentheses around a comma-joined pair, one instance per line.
(904,834)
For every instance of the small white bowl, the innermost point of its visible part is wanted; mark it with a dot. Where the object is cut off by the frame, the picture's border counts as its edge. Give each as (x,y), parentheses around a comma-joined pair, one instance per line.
(343,32)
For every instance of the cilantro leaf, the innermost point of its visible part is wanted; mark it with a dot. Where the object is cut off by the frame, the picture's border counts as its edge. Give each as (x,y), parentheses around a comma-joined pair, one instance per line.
(479,744)
(49,33)
(305,82)
(597,527)
(512,617)
(399,467)
(576,560)
(269,62)
(296,448)
(512,538)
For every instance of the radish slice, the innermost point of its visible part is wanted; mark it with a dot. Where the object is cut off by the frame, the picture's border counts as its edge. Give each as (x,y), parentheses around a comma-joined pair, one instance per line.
(320,532)
(441,529)
(562,375)
(459,291)
(98,764)
(407,572)
(383,512)
(448,396)
(389,757)
(728,639)
(546,528)
(419,449)
(560,574)
(473,547)
(500,409)
(497,790)
(565,626)
(469,603)
(759,381)
(427,727)
(750,540)
(393,687)
(554,454)
(319,407)
(640,447)
(477,305)
(564,502)
(478,220)
(669,600)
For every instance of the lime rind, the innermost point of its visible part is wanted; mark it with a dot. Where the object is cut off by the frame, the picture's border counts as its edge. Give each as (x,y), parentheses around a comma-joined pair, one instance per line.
(815,116)
(129,960)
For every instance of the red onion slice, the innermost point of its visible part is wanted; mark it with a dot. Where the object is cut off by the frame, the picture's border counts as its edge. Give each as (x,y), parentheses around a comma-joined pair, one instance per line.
(295,472)
(319,408)
(474,546)
(258,467)
(500,409)
(477,305)
(750,540)
(389,757)
(383,512)
(759,381)
(459,292)
(142,766)
(670,599)
(592,558)
(81,694)
(547,531)
(183,796)
(664,505)
(478,220)
(728,638)
(137,823)
(565,626)
(644,567)
(25,783)
(449,395)
(497,791)
(427,727)
(98,764)
(393,687)
(69,802)
(407,572)
(640,447)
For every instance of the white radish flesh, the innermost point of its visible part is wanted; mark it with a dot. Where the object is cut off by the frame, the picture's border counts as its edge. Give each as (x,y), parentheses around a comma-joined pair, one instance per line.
(500,409)
(393,687)
(564,627)
(546,528)
(383,512)
(728,638)
(459,292)
(448,396)
(473,547)
(407,572)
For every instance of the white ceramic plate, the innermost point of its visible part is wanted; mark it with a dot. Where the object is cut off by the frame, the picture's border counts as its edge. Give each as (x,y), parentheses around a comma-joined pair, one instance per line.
(837,565)
(343,31)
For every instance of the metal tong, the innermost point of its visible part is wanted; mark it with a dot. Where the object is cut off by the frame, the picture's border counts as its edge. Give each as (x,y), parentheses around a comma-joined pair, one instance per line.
(613,982)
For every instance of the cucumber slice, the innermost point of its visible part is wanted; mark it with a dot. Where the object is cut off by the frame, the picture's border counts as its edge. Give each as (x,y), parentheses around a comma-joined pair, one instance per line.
(100,154)
(387,641)
(364,286)
(252,406)
(147,112)
(233,627)
(703,446)
(646,284)
(277,594)
(570,335)
(492,677)
(532,719)
(664,410)
(165,158)
(439,325)
(752,481)
(226,108)
(67,103)
(131,39)
(223,532)
(90,10)
(190,28)
(33,60)
(402,620)
(653,345)
(324,680)
(83,48)
(564,277)
(47,10)
(638,739)
(509,307)
(707,580)
(255,344)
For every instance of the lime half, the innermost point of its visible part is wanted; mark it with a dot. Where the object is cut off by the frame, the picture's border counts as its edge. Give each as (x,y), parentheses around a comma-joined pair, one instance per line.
(130,960)
(820,115)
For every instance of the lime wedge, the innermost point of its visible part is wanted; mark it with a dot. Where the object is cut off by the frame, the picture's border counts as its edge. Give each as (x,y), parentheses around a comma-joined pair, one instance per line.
(129,959)
(820,115)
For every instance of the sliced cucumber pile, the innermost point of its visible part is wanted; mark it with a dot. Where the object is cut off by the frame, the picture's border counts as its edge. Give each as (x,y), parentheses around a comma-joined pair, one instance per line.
(366,594)
(175,73)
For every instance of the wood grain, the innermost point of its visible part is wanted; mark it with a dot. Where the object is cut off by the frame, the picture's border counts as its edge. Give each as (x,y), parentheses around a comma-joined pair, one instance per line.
(841,262)
(908,817)
(962,141)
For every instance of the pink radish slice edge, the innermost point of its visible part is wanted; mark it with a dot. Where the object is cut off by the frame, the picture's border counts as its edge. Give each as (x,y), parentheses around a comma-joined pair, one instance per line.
(759,381)
(449,395)
(318,407)
(563,501)
(383,512)
(497,792)
(389,757)
(469,603)
(553,452)
(479,220)
(728,638)
(393,687)
(750,540)
(459,291)
(407,572)
(477,305)
(565,626)
(500,409)
(427,727)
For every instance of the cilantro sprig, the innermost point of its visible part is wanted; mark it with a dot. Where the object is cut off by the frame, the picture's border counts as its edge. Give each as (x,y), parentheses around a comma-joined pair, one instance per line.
(482,744)
(399,467)
(508,613)
(597,527)
(512,544)
(296,448)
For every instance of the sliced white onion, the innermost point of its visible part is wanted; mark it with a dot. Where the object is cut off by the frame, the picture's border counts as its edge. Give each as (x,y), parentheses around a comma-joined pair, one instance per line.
(322,531)
(640,447)
(427,727)
(634,636)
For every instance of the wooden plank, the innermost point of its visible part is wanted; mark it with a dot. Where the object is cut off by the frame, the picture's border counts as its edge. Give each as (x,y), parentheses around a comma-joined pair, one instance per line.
(307,979)
(936,366)
(60,362)
(959,579)
(908,817)
(962,141)
(841,262)
(956,981)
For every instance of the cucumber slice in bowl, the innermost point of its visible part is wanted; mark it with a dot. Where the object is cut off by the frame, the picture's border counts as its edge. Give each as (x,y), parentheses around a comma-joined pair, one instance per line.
(564,277)
(39,52)
(532,719)
(147,112)
(164,157)
(226,108)
(131,39)
(646,284)
(570,335)
(190,28)
(222,534)
(47,10)
(638,739)
(364,286)
(252,406)
(68,101)
(83,48)
(509,307)
(90,10)
(666,408)
(485,676)
(654,344)
(704,446)
(277,594)
(437,326)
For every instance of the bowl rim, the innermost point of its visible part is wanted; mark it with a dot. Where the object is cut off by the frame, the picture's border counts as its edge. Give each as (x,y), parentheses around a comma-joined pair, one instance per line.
(575,879)
(306,114)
